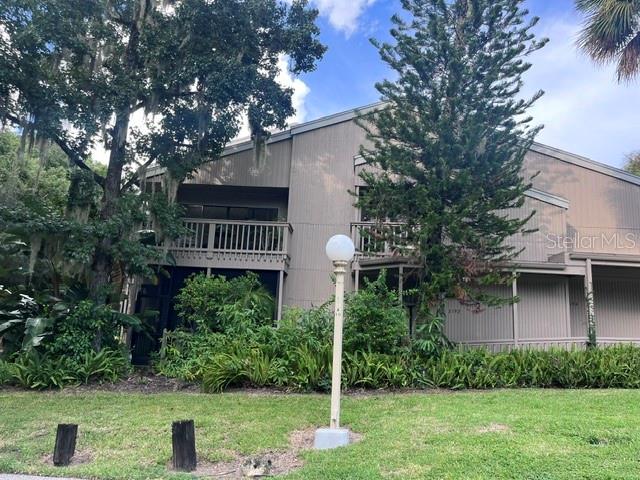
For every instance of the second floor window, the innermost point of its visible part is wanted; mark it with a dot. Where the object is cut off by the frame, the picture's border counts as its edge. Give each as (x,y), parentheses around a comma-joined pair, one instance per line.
(217,212)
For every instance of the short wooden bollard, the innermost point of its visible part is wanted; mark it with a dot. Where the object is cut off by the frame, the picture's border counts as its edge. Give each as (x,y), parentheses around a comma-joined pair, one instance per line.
(65,446)
(183,439)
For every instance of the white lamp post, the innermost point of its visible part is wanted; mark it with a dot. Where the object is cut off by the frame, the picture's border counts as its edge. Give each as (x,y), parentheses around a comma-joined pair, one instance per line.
(340,250)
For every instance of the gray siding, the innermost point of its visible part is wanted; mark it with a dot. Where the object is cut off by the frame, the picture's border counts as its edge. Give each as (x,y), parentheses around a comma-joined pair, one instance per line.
(241,169)
(617,302)
(601,207)
(320,206)
(549,225)
(487,324)
(543,309)
(578,307)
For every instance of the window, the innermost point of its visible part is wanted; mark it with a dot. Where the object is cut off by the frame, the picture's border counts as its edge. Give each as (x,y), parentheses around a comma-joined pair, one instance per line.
(218,212)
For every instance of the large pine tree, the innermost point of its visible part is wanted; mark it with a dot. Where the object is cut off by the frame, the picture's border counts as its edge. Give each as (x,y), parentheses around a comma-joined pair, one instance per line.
(448,147)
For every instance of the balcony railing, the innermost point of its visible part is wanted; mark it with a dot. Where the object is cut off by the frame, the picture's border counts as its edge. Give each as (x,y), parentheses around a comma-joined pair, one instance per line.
(233,244)
(370,239)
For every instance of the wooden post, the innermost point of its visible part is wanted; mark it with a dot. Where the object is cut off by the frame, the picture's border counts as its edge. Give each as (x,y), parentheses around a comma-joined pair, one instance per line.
(516,324)
(280,294)
(65,446)
(591,312)
(183,438)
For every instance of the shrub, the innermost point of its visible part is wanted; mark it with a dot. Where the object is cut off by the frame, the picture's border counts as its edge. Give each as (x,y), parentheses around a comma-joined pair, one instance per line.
(37,371)
(375,320)
(608,367)
(306,369)
(86,325)
(219,305)
(184,355)
(6,372)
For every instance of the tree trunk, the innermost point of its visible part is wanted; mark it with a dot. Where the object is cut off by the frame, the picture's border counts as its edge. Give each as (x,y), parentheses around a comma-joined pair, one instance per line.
(103,259)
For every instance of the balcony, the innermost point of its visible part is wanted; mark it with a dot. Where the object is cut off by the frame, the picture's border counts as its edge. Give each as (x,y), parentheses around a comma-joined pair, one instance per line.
(370,244)
(233,244)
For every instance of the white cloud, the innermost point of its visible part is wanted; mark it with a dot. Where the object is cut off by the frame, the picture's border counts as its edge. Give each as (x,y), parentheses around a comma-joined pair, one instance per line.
(343,14)
(584,109)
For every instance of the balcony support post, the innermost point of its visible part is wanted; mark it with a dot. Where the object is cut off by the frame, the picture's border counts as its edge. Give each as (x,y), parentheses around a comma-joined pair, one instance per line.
(400,283)
(280,292)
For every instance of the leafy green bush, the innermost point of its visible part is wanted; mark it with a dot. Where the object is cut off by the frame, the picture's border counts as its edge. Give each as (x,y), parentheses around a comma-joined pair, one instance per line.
(219,305)
(184,355)
(608,367)
(84,326)
(375,319)
(6,372)
(36,371)
(304,369)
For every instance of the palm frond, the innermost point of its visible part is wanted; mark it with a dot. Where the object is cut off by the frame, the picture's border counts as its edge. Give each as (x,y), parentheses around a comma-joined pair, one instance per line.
(608,28)
(629,63)
(610,33)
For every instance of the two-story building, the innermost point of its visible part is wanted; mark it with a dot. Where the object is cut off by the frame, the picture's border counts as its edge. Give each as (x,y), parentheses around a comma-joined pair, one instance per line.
(274,217)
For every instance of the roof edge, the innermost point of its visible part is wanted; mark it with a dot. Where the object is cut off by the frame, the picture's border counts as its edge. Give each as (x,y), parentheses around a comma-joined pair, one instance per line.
(585,162)
(547,198)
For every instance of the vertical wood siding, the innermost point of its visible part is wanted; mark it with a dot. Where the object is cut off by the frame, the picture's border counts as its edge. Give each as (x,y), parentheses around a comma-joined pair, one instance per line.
(603,215)
(490,323)
(241,169)
(617,302)
(578,307)
(320,206)
(549,225)
(542,310)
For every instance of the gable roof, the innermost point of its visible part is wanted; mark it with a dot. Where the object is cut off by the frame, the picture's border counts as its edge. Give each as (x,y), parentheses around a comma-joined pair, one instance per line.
(245,144)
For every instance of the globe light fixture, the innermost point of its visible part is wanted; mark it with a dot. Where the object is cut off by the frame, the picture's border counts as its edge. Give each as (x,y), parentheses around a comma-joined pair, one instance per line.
(340,250)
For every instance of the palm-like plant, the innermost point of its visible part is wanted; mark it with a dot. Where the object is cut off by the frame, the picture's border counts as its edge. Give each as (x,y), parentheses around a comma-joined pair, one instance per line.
(612,34)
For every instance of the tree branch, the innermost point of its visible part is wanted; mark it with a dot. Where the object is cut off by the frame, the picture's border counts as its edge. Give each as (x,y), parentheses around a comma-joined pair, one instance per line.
(68,151)
(135,179)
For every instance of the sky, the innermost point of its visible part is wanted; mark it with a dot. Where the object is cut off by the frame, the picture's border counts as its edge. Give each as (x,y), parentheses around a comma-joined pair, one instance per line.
(584,110)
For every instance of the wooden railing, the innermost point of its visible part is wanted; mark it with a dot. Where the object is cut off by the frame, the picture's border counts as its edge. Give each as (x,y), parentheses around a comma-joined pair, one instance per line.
(370,239)
(231,242)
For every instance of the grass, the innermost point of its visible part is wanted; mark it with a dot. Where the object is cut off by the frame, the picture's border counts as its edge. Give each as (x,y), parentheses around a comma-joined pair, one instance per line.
(529,434)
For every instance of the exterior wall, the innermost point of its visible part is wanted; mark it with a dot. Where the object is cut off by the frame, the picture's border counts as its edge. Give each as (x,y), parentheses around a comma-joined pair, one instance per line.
(617,303)
(313,171)
(486,325)
(578,307)
(241,169)
(320,206)
(601,206)
(543,311)
(548,223)
(544,317)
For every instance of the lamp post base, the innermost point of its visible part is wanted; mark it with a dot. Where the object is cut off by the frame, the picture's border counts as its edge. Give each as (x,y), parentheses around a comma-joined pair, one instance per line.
(327,438)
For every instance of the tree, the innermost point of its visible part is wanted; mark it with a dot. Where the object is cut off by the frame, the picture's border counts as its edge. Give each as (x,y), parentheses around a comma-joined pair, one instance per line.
(75,72)
(39,180)
(612,34)
(633,163)
(448,147)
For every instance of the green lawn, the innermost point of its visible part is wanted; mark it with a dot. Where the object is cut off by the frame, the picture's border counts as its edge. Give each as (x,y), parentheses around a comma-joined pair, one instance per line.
(531,434)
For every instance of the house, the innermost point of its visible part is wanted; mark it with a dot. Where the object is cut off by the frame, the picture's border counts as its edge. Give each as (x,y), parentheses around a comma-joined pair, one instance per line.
(274,218)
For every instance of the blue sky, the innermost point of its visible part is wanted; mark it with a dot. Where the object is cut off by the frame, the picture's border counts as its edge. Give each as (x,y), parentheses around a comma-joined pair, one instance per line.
(584,110)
